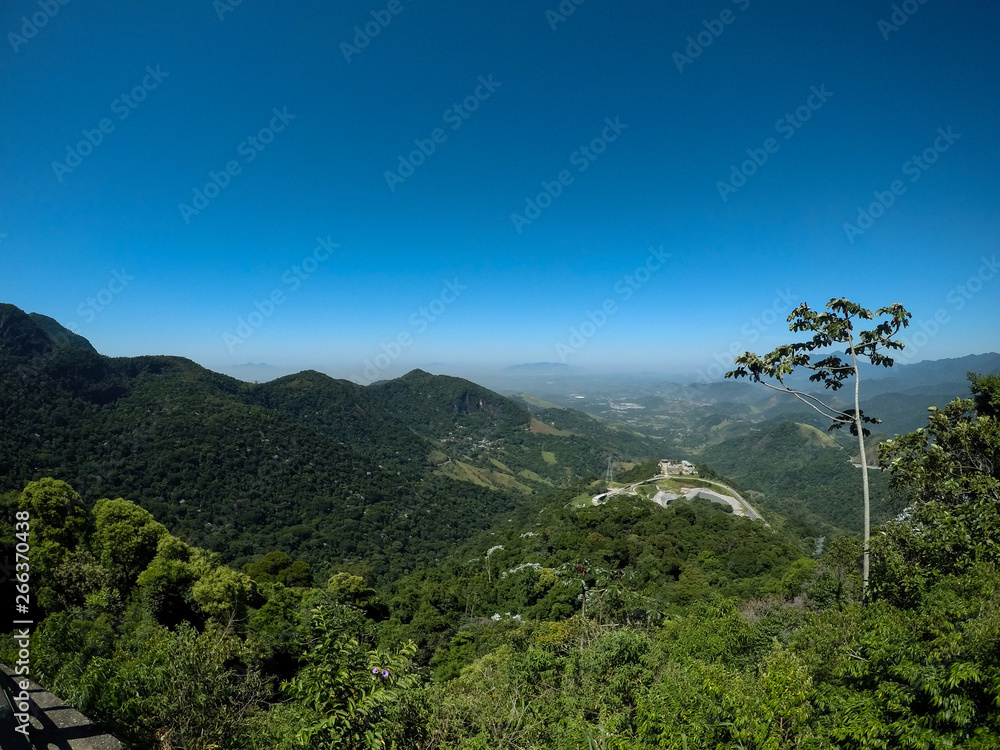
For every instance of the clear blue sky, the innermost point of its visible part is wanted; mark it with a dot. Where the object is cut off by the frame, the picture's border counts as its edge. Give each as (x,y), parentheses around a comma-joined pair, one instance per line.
(313,133)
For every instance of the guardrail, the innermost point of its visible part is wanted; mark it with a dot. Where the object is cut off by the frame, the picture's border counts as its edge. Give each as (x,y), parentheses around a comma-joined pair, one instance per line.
(53,723)
(10,737)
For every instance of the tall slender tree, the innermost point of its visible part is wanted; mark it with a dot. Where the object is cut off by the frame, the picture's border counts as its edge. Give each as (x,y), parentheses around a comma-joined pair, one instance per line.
(832,329)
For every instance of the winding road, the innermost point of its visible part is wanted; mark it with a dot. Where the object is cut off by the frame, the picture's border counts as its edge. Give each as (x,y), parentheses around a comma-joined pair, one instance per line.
(736,501)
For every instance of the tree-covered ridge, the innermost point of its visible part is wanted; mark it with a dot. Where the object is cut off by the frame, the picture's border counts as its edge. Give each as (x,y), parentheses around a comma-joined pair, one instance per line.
(627,561)
(751,638)
(800,476)
(389,476)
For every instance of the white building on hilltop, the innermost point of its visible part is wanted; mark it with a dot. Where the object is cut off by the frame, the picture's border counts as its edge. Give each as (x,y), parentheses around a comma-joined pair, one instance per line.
(668,466)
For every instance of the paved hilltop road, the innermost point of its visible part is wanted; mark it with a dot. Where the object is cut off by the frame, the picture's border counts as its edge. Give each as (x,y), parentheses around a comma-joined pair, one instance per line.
(748,510)
(736,501)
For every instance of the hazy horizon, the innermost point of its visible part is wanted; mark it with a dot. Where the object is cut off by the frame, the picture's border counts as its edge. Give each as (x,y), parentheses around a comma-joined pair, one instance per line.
(501,377)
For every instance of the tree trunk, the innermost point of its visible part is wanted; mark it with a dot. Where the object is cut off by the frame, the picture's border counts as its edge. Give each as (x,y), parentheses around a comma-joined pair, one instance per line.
(864,476)
(864,489)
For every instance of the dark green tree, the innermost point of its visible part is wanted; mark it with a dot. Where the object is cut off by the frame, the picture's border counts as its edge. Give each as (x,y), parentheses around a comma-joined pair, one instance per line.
(829,330)
(58,521)
(950,473)
(345,686)
(278,567)
(126,538)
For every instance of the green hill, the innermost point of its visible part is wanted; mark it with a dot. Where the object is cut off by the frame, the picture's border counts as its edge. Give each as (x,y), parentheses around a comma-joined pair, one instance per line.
(814,437)
(326,470)
(802,472)
(621,625)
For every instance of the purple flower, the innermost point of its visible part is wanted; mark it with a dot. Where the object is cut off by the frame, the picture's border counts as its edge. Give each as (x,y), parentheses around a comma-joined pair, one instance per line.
(374,670)
(385,672)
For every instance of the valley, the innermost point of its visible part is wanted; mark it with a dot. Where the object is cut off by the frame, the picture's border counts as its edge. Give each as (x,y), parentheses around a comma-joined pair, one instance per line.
(388,476)
(228,549)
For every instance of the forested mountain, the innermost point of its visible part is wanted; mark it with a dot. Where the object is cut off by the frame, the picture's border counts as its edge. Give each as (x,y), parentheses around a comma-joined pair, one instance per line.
(389,475)
(458,596)
(624,626)
(802,472)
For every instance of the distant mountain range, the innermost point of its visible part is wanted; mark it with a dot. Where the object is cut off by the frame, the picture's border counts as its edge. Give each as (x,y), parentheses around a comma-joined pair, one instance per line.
(899,396)
(393,475)
(388,475)
(539,368)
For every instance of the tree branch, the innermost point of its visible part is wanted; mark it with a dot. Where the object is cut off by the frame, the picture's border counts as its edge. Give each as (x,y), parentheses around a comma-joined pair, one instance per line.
(837,416)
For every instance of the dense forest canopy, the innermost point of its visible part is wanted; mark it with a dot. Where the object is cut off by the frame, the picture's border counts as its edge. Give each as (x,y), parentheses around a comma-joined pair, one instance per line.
(618,626)
(310,563)
(390,476)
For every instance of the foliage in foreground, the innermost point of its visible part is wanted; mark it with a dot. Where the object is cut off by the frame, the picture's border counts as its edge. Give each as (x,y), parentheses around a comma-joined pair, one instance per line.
(171,649)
